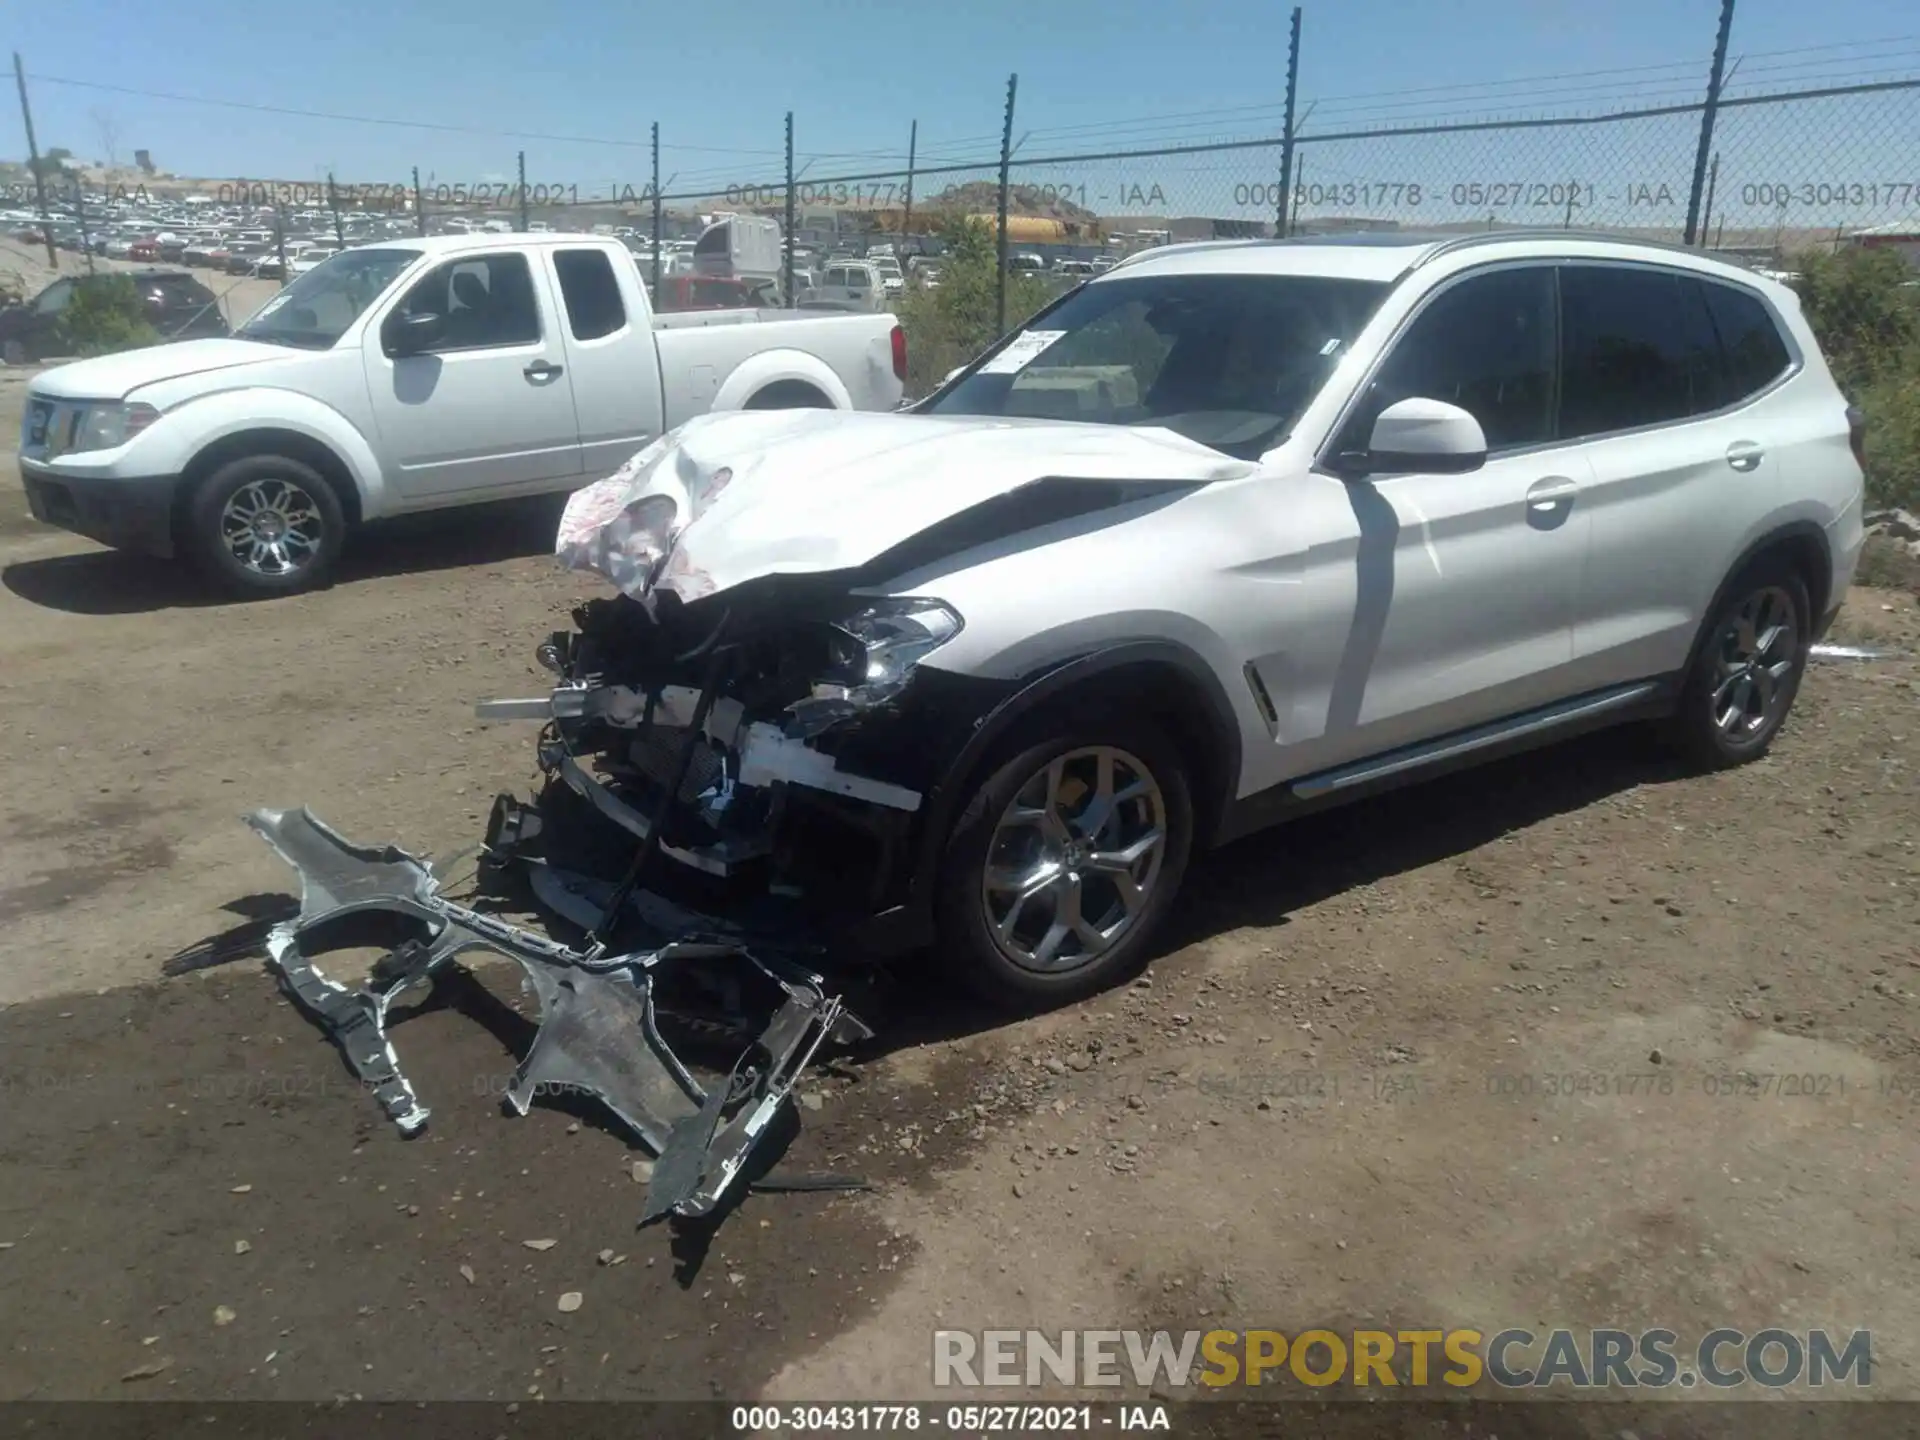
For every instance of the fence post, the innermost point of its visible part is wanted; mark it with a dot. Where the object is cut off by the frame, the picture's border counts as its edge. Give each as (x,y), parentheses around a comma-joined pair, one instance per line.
(786,247)
(913,144)
(1707,113)
(656,214)
(1299,186)
(419,204)
(80,214)
(333,204)
(280,241)
(33,159)
(523,190)
(1706,210)
(1281,224)
(1000,237)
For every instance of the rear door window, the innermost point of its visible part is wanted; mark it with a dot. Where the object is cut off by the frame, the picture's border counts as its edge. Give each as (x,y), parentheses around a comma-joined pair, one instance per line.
(1624,350)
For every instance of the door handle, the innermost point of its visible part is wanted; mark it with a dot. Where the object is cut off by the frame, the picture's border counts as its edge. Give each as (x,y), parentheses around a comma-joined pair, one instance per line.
(541,370)
(1551,493)
(1744,455)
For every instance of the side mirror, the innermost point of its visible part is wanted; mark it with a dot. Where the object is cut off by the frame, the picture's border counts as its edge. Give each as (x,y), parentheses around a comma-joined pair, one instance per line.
(1421,437)
(410,334)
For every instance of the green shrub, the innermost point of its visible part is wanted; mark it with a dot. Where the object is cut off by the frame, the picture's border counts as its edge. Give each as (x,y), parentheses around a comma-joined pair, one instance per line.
(104,315)
(950,324)
(1866,314)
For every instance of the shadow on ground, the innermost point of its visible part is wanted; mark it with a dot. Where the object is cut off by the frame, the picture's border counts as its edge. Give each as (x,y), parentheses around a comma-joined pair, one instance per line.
(108,582)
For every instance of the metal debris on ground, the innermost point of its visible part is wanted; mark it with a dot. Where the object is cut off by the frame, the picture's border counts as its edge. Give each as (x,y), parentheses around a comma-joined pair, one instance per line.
(1824,651)
(598,1031)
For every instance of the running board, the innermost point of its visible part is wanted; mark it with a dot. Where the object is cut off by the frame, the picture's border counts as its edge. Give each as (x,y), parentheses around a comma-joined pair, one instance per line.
(1465,742)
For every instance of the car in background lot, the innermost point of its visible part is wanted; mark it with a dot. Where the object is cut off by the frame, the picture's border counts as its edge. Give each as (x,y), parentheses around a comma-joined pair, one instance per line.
(177,305)
(710,292)
(412,376)
(854,285)
(1384,506)
(310,258)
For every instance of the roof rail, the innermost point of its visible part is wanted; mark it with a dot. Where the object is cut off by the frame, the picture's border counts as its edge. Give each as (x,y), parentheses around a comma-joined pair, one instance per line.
(1554,232)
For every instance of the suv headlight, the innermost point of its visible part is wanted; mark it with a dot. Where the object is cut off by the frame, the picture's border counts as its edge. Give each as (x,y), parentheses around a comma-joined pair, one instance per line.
(888,639)
(107,425)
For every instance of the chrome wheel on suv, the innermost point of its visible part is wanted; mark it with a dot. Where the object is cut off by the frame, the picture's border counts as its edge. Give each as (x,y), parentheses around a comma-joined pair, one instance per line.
(1074,859)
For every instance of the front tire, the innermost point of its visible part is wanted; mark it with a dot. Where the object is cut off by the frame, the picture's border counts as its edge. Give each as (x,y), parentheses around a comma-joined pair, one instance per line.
(1064,863)
(264,525)
(1747,671)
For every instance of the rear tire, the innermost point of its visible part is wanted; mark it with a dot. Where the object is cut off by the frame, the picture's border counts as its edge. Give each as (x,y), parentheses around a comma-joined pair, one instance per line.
(1084,914)
(1747,668)
(264,525)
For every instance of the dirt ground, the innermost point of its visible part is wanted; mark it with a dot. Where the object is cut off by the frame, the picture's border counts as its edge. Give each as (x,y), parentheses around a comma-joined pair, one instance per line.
(1328,1103)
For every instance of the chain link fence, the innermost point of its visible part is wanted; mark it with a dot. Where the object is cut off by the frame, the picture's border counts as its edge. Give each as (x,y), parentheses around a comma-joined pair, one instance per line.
(1820,186)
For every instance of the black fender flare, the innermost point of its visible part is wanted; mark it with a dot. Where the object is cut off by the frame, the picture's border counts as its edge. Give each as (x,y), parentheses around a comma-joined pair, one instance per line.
(1215,715)
(1794,532)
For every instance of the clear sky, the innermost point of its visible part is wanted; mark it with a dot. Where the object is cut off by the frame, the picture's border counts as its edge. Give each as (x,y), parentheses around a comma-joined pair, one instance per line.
(1093,74)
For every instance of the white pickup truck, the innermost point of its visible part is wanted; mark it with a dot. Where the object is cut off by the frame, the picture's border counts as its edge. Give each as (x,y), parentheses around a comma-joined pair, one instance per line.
(410,376)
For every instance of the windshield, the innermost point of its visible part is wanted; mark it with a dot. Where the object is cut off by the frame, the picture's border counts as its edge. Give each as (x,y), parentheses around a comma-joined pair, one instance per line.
(315,310)
(1228,360)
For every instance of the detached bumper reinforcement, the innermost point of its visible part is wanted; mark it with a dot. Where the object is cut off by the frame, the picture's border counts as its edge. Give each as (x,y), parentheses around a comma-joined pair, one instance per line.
(598,1027)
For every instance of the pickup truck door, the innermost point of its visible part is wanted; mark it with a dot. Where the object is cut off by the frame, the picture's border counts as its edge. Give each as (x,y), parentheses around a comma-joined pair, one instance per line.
(611,356)
(488,408)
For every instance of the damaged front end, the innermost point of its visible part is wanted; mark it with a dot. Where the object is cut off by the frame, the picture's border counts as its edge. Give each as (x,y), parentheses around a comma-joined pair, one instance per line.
(600,1010)
(764,756)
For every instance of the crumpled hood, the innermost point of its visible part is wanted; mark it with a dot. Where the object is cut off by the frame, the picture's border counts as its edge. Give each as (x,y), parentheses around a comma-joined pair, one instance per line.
(114,377)
(731,497)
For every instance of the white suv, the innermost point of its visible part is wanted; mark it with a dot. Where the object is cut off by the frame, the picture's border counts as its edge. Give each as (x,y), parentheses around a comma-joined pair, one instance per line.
(1230,533)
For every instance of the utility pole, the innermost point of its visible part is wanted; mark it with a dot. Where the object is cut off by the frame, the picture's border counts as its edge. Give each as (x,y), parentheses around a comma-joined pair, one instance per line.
(656,214)
(1286,142)
(1707,113)
(786,250)
(913,144)
(1000,238)
(33,159)
(419,204)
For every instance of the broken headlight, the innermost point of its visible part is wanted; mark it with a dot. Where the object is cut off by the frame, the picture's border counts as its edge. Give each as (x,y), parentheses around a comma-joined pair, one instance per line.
(886,640)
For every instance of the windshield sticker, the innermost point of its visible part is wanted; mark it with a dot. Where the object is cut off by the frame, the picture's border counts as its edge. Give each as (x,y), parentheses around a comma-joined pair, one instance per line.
(1020,352)
(1331,346)
(272,305)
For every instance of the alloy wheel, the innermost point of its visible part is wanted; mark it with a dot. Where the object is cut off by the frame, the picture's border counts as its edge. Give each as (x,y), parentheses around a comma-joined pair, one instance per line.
(1755,656)
(1074,859)
(272,526)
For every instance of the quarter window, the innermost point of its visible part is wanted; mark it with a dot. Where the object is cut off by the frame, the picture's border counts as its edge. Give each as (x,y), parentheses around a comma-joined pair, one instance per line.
(591,293)
(1755,354)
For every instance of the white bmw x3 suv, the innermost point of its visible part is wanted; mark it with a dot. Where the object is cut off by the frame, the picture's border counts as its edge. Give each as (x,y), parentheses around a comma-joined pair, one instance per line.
(1229,533)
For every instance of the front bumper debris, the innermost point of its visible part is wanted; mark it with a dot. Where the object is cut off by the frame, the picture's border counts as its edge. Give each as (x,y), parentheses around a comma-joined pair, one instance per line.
(599,1028)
